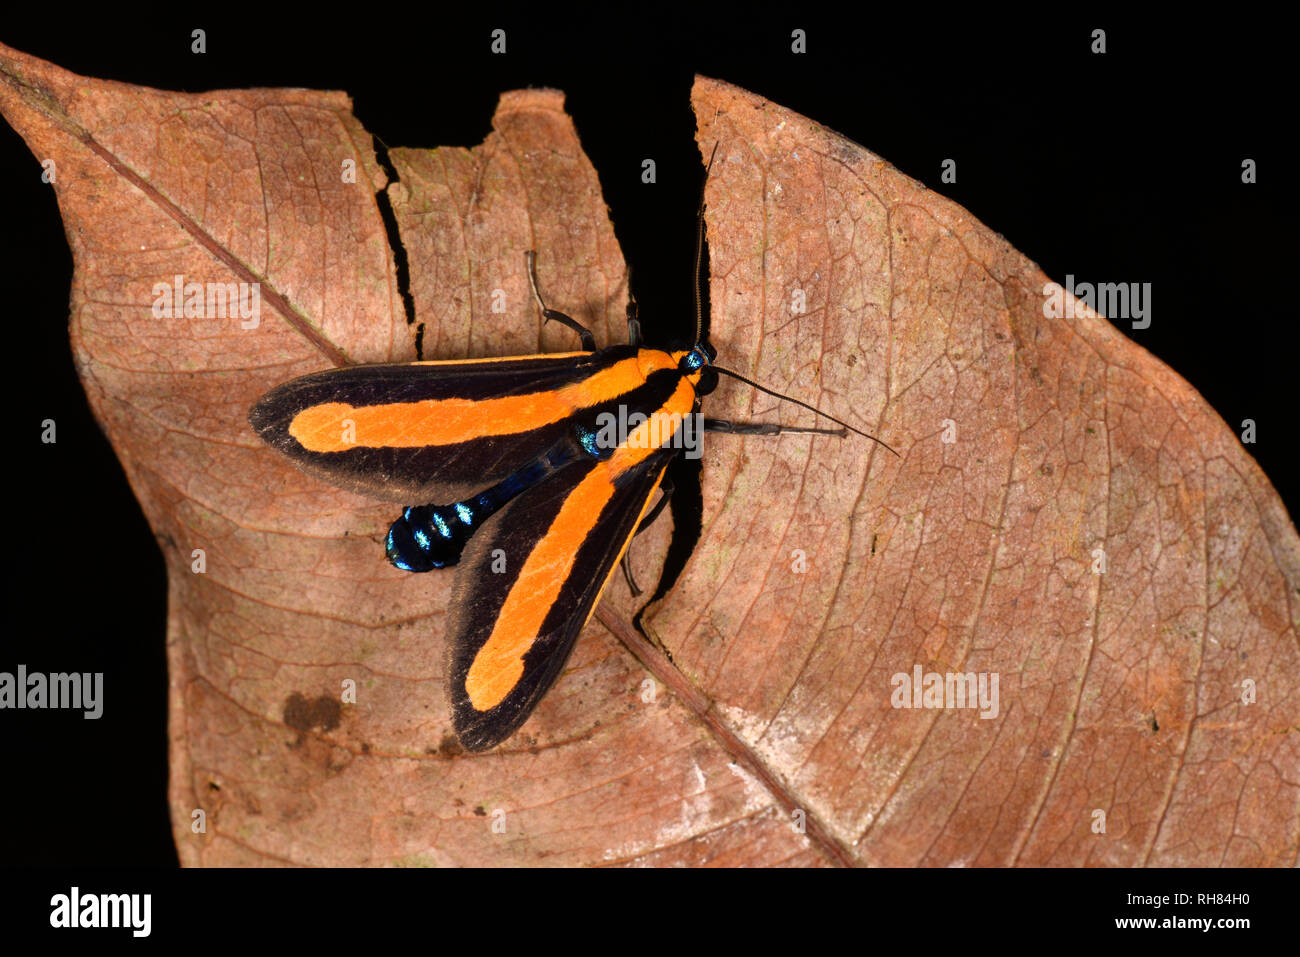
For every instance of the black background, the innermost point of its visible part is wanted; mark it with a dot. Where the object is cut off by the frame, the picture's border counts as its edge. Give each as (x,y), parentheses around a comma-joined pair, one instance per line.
(1122,167)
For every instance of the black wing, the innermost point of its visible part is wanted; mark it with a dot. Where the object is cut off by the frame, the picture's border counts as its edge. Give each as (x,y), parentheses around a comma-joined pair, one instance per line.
(528,584)
(438,470)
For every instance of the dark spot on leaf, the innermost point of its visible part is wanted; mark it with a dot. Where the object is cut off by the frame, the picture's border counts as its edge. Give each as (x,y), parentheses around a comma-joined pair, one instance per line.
(450,747)
(214,786)
(1155,725)
(304,714)
(340,760)
(480,811)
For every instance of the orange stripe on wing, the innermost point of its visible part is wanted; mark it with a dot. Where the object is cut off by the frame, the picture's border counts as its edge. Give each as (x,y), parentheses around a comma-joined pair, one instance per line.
(339,426)
(499,664)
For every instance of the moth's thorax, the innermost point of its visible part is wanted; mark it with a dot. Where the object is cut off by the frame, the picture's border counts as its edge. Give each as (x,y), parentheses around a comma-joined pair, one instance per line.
(650,361)
(689,363)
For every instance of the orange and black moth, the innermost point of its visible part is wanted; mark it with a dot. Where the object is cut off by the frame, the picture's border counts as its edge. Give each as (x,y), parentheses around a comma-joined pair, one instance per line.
(532,494)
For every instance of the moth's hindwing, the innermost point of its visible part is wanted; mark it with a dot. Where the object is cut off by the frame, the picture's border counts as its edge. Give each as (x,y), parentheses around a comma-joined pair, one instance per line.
(528,584)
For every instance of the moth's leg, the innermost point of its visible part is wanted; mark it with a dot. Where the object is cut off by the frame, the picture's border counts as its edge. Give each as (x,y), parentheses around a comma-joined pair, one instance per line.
(626,563)
(588,340)
(633,323)
(765,428)
(666,490)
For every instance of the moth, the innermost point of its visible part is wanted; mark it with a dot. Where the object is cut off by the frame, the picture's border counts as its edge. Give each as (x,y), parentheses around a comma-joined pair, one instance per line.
(536,471)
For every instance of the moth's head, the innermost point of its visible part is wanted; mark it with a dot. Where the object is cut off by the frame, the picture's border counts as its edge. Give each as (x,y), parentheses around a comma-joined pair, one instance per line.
(696,365)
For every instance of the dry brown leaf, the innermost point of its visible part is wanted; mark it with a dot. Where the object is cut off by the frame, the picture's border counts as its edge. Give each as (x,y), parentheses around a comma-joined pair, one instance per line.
(971,556)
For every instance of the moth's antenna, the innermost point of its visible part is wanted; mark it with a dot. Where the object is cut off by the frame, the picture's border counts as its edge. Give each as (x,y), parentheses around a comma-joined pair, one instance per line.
(810,408)
(699,248)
